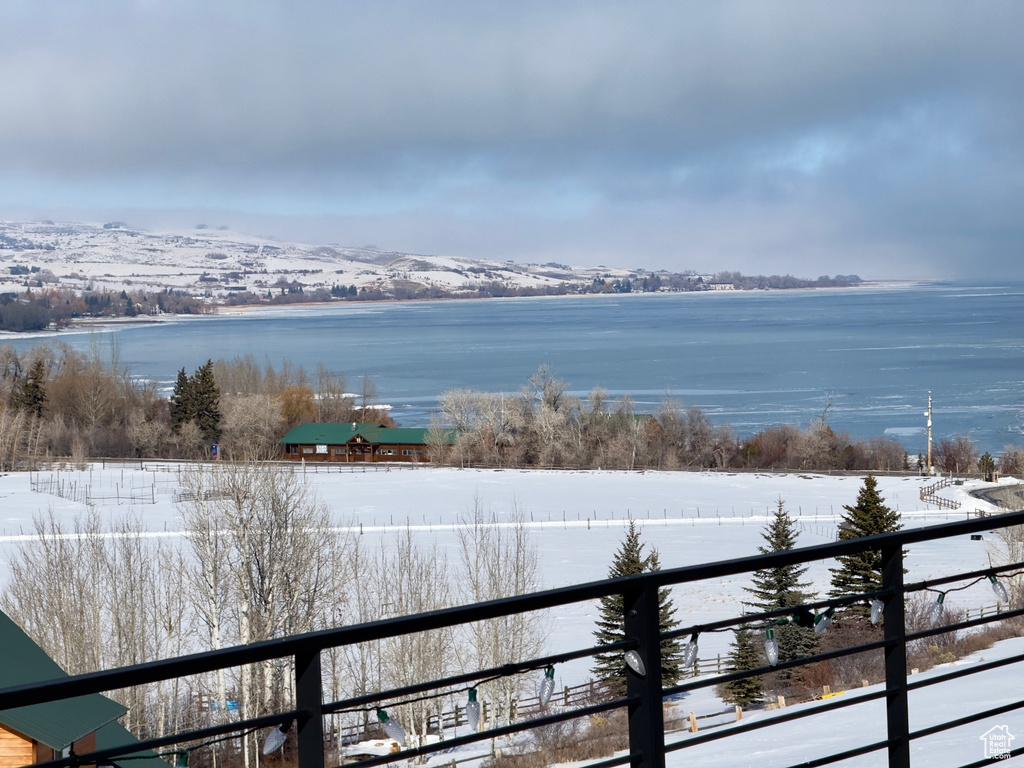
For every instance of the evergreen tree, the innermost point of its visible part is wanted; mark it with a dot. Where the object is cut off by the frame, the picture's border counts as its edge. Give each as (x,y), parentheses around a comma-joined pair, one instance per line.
(206,400)
(611,667)
(30,394)
(862,572)
(781,587)
(197,398)
(743,655)
(181,399)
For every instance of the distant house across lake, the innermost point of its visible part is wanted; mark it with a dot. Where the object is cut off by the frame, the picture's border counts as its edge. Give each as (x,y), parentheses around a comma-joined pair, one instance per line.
(357,442)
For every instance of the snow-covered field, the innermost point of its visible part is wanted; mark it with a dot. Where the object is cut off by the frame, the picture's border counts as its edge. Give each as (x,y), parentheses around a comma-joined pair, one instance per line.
(578,519)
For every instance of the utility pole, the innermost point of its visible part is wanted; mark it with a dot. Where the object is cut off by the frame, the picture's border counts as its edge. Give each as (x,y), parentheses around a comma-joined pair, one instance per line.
(928,414)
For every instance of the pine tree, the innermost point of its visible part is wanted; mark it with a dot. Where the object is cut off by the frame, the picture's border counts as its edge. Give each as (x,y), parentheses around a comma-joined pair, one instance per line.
(781,587)
(743,655)
(206,402)
(181,399)
(197,398)
(30,394)
(629,561)
(862,571)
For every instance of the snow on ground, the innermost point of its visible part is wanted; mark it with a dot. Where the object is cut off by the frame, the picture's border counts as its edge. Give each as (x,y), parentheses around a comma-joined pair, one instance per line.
(577,521)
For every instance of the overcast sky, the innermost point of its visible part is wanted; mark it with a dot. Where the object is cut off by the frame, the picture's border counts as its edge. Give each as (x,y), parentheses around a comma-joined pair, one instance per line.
(885,139)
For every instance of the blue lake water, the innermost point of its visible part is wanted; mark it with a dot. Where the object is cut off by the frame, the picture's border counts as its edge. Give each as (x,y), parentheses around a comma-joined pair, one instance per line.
(747,358)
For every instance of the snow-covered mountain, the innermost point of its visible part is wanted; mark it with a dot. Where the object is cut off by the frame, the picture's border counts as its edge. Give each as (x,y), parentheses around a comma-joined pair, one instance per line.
(217,262)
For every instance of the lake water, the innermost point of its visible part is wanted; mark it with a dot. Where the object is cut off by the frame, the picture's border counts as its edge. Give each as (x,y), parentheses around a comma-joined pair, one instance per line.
(751,359)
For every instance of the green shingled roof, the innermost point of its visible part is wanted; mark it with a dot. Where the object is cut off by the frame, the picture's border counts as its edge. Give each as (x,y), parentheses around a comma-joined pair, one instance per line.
(57,724)
(339,434)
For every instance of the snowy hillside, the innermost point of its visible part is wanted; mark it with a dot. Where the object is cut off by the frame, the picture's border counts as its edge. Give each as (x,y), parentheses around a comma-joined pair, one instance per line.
(216,262)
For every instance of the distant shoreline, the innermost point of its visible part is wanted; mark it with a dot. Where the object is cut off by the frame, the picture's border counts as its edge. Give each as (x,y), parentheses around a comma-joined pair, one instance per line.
(242,309)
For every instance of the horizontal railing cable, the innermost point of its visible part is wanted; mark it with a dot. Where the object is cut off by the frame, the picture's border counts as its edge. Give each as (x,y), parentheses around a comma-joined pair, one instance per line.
(767,722)
(485,675)
(505,730)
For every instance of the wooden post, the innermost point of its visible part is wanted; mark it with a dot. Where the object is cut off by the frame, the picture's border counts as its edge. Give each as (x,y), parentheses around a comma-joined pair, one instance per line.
(826,690)
(693,723)
(739,713)
(782,702)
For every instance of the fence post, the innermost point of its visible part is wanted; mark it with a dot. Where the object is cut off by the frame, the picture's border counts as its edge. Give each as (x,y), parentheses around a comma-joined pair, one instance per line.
(309,697)
(646,720)
(894,631)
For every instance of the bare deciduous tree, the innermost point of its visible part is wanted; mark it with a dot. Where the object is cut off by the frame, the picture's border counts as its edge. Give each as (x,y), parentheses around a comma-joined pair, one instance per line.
(499,560)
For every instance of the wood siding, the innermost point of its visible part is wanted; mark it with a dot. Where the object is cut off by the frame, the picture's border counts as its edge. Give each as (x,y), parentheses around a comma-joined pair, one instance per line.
(358,453)
(15,750)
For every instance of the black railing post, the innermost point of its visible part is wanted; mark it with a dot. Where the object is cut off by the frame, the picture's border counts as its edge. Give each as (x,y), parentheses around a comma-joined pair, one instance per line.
(894,629)
(309,697)
(646,721)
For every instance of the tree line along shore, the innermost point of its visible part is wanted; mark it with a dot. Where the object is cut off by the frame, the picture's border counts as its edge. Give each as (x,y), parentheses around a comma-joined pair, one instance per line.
(46,304)
(59,403)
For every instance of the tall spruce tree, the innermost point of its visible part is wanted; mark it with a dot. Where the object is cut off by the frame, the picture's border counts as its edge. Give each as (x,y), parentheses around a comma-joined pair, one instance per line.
(197,398)
(206,402)
(781,587)
(180,400)
(862,572)
(30,393)
(743,655)
(611,667)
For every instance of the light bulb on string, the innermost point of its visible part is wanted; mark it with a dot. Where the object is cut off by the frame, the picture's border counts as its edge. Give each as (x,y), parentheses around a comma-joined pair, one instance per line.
(771,646)
(935,612)
(823,620)
(999,588)
(547,686)
(276,738)
(877,606)
(635,662)
(182,761)
(473,711)
(690,651)
(392,728)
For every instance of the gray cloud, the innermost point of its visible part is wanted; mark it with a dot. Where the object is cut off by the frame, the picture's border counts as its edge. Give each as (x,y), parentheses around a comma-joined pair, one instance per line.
(803,137)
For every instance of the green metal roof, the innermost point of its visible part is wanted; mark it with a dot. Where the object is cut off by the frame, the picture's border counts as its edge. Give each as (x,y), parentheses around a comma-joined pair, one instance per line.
(339,434)
(116,735)
(57,724)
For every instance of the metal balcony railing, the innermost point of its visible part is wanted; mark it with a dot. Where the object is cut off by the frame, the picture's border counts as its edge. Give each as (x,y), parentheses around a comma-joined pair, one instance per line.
(644,693)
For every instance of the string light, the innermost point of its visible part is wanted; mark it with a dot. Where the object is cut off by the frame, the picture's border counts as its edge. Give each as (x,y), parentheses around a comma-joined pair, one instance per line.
(935,612)
(690,651)
(473,711)
(877,606)
(823,620)
(276,738)
(999,588)
(634,662)
(547,686)
(771,646)
(392,728)
(182,761)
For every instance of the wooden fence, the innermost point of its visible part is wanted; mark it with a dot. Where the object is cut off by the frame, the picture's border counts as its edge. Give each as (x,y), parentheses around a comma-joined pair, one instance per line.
(929,496)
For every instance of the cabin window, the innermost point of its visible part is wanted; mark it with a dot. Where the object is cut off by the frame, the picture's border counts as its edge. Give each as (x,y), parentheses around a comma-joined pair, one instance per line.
(307,449)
